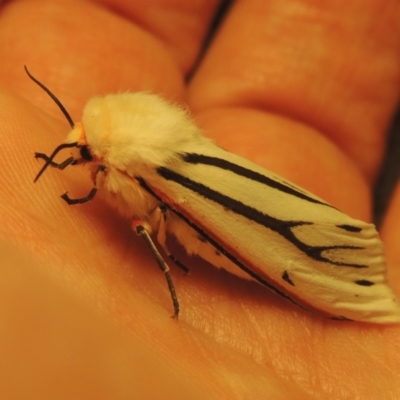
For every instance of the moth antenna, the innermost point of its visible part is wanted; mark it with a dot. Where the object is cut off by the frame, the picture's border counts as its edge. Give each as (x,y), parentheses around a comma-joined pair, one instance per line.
(53,96)
(50,159)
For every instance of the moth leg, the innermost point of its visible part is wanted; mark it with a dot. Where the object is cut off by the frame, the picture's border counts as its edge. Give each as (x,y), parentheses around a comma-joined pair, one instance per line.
(141,230)
(179,264)
(62,165)
(79,200)
(91,194)
(161,215)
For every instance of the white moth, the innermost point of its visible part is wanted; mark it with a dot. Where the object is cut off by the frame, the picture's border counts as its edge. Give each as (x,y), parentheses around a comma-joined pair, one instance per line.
(154,165)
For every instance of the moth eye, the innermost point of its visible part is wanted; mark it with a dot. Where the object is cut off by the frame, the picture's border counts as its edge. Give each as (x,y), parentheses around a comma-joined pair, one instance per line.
(86,154)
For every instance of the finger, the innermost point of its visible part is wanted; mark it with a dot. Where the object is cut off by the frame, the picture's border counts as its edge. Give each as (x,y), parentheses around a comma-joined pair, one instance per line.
(181,25)
(95,52)
(314,64)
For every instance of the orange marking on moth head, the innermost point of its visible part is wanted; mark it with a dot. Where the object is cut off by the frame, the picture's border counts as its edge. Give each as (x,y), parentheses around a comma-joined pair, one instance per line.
(77,134)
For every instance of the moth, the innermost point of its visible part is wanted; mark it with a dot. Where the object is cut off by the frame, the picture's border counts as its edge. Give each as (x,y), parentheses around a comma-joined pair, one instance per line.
(154,165)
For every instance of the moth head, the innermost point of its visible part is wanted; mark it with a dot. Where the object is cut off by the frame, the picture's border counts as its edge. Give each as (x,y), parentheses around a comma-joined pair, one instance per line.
(75,139)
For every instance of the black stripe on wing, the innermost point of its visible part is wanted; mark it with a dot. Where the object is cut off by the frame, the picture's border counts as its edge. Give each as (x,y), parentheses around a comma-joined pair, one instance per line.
(220,248)
(283,228)
(193,158)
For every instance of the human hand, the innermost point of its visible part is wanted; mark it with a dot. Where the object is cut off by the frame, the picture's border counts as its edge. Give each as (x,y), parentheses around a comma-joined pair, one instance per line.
(305,92)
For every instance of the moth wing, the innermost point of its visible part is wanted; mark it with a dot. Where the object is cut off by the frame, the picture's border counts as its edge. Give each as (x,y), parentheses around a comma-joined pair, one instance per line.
(287,238)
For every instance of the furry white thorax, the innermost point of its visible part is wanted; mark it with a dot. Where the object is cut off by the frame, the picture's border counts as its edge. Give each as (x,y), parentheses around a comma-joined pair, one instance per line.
(131,134)
(138,130)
